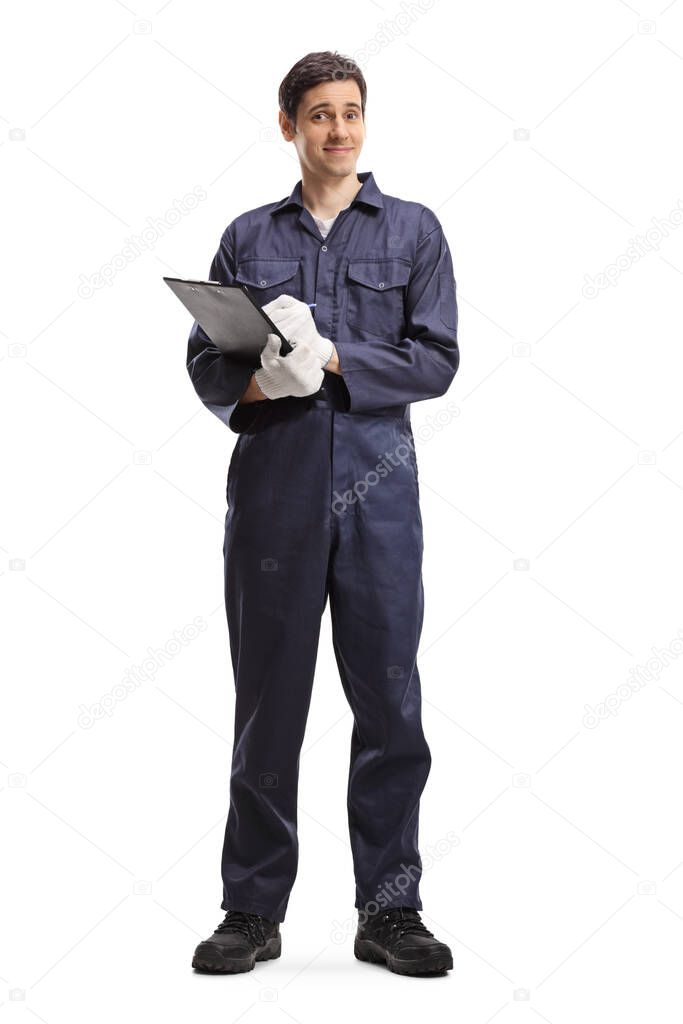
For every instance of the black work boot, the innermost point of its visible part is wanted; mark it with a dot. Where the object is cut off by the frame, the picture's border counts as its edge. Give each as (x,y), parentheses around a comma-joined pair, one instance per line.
(398,938)
(238,942)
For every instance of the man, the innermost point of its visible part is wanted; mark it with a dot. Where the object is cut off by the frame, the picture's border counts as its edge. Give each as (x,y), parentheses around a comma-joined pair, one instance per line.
(323,501)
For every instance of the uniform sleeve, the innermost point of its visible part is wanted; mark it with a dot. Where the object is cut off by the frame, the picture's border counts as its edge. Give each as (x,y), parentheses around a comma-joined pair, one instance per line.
(218,379)
(422,364)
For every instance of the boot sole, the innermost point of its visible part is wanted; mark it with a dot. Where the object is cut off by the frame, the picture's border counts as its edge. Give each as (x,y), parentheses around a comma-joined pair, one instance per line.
(210,958)
(372,953)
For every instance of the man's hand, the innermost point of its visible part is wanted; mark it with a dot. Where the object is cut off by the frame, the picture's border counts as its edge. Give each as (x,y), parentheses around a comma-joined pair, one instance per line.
(298,373)
(295,320)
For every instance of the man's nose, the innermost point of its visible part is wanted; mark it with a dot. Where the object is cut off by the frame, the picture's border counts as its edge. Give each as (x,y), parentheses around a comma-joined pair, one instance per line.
(339,131)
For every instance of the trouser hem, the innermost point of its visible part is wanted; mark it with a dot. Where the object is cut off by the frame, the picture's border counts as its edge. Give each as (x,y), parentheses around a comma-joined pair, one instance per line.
(372,907)
(249,907)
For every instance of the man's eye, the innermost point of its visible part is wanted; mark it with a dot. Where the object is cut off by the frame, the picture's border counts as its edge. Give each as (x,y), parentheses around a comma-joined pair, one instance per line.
(321,113)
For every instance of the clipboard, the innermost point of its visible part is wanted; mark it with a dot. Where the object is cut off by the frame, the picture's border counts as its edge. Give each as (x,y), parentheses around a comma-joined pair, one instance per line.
(231,317)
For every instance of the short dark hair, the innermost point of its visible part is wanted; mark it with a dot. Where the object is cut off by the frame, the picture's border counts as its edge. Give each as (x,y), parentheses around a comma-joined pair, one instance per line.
(314,68)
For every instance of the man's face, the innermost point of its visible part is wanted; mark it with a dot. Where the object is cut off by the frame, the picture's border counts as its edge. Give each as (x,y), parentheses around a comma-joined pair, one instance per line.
(330,131)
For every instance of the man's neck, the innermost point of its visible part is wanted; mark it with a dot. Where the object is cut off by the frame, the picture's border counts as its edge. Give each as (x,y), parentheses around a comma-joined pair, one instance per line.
(325,197)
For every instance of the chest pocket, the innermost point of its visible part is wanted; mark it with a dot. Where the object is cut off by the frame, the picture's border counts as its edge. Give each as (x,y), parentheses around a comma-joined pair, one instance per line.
(266,278)
(376,290)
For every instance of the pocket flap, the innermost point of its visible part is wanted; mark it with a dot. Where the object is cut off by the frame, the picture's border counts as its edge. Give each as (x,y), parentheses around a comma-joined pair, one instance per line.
(380,274)
(266,273)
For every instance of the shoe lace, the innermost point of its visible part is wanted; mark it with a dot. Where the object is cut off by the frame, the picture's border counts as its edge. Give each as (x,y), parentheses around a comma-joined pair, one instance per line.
(247,924)
(401,921)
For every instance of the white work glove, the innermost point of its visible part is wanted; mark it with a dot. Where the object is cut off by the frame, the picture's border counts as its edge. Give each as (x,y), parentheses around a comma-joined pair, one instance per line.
(295,320)
(298,373)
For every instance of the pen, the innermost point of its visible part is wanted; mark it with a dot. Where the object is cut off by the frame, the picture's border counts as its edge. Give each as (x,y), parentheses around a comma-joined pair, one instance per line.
(311,305)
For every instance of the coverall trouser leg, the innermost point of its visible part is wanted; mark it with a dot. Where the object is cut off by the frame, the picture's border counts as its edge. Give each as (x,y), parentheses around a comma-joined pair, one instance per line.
(290,544)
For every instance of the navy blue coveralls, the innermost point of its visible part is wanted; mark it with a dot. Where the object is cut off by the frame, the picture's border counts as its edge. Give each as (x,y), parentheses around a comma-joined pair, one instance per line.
(323,500)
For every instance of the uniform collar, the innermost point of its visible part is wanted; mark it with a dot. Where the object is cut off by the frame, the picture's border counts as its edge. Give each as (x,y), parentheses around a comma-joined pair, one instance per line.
(368,194)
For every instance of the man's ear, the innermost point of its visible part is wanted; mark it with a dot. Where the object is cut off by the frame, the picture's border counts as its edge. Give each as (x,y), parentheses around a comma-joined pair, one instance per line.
(286,127)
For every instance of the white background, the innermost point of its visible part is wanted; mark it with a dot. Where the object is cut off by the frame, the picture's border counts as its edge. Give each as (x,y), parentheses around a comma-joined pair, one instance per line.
(551,501)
